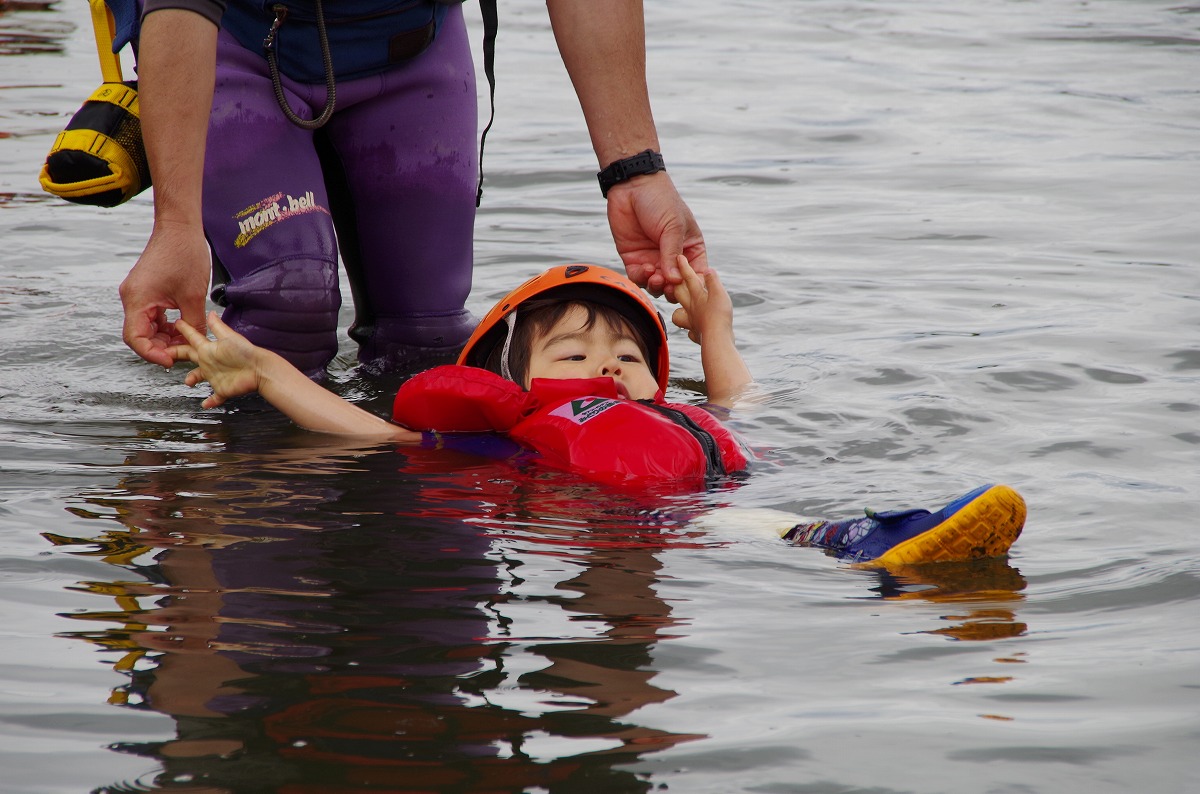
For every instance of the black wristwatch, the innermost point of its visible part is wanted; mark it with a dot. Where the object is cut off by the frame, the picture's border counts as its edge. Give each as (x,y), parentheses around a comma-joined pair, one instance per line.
(647,162)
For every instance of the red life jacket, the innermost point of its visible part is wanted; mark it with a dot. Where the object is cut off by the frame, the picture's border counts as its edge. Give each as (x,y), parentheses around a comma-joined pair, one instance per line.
(580,425)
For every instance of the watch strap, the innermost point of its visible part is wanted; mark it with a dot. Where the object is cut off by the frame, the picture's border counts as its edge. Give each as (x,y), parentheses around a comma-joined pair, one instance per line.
(647,162)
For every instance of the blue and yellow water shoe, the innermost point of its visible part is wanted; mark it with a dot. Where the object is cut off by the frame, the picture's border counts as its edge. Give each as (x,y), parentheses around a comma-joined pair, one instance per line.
(982,523)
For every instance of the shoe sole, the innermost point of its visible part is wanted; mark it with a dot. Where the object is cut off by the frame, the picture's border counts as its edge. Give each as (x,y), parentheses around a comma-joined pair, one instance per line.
(986,526)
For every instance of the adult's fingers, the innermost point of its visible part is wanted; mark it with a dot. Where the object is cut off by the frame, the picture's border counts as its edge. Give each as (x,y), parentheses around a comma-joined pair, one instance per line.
(141,333)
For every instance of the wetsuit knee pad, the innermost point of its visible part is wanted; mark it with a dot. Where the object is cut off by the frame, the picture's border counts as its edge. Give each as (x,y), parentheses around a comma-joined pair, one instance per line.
(289,307)
(392,343)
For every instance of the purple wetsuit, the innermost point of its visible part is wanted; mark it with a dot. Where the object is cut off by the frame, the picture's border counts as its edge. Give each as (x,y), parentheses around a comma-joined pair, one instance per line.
(388,183)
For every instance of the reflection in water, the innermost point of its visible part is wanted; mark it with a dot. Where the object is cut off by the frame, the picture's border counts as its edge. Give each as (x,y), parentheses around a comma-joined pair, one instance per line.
(335,618)
(982,583)
(354,619)
(332,618)
(23,31)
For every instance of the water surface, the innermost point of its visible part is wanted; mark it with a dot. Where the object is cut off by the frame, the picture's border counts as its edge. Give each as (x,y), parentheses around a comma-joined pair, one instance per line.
(963,241)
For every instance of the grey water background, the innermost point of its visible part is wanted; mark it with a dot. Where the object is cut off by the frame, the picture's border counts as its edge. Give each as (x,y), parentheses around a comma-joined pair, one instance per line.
(963,241)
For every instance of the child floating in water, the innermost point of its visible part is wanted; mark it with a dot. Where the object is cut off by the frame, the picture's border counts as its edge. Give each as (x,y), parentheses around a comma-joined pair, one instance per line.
(573,365)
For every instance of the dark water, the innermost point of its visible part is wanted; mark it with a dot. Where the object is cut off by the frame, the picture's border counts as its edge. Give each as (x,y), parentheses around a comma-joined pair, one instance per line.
(963,243)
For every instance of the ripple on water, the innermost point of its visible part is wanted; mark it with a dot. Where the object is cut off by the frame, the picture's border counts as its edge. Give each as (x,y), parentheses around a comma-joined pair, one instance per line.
(953,260)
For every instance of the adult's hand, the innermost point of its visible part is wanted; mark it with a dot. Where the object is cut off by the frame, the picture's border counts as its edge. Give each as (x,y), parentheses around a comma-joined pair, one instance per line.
(176,73)
(651,227)
(172,273)
(603,46)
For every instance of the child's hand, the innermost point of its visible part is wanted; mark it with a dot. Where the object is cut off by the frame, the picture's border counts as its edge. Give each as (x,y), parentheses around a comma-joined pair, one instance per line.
(230,364)
(705,306)
(707,314)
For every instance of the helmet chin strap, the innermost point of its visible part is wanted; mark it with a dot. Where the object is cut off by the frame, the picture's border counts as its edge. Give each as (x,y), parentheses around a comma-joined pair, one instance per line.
(510,319)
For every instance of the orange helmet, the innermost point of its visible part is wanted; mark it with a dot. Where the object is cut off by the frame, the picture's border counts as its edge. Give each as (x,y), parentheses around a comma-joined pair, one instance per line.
(589,283)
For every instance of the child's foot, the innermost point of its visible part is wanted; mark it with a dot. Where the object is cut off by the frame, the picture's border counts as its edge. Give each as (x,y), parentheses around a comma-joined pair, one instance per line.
(982,523)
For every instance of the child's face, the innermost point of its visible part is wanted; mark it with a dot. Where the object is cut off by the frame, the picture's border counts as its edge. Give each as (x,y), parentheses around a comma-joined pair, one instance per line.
(569,350)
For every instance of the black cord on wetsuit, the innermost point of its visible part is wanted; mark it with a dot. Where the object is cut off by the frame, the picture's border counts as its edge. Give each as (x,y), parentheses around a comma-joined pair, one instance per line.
(273,61)
(490,23)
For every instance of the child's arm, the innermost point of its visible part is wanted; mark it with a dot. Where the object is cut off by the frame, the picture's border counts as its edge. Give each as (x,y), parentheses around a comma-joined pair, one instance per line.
(706,311)
(233,366)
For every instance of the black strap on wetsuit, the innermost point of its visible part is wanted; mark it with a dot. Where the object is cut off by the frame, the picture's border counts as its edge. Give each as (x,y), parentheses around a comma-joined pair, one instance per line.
(490,24)
(281,13)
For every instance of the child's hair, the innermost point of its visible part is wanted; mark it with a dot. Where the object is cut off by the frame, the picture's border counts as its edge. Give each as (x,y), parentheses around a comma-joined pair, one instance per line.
(538,316)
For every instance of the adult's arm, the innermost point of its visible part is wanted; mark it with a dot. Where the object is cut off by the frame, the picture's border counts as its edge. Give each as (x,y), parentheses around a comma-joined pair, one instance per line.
(176,68)
(603,46)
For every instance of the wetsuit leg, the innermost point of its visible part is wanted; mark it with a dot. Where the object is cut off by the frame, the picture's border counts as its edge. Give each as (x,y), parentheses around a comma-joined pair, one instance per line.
(266,214)
(401,165)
